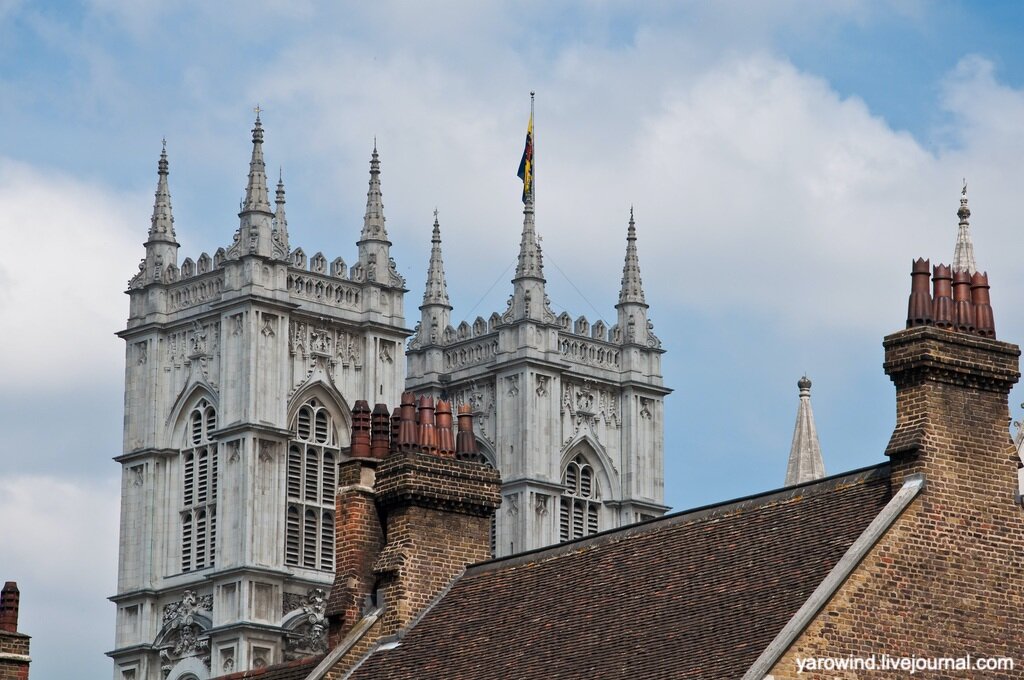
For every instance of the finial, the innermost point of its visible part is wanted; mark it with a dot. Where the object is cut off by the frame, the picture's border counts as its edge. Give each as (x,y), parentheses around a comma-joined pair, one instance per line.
(280,174)
(375,144)
(257,110)
(435,215)
(804,383)
(963,192)
(630,212)
(164,143)
(532,93)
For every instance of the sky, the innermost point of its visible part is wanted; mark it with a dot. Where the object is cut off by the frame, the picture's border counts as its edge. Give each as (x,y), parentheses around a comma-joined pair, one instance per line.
(786,161)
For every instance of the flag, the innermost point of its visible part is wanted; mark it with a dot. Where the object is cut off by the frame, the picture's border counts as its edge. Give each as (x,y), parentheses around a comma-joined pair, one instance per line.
(526,165)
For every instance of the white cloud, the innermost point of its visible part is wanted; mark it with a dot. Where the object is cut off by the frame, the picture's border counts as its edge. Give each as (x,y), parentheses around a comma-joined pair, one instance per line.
(60,545)
(71,248)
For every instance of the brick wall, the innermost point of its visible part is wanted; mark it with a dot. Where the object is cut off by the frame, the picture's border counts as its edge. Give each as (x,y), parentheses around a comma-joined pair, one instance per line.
(947,579)
(14,646)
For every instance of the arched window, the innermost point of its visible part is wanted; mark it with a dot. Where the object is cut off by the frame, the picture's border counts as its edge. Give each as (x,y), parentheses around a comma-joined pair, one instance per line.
(199,489)
(580,503)
(312,481)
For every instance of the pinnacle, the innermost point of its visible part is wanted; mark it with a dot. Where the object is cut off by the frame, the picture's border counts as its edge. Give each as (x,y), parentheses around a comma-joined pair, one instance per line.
(805,462)
(436,290)
(632,290)
(963,255)
(256,198)
(373,220)
(162,224)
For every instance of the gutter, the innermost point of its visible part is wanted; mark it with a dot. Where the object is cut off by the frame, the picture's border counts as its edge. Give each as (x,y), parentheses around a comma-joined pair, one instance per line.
(912,486)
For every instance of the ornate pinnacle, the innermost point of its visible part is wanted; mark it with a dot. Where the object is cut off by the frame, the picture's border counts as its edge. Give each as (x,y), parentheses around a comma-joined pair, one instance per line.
(436,291)
(373,220)
(256,198)
(632,291)
(963,255)
(280,220)
(161,226)
(531,262)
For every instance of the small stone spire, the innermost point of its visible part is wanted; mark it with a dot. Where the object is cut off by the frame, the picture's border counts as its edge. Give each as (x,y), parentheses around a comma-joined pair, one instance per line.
(805,463)
(632,290)
(375,262)
(256,198)
(256,220)
(435,312)
(280,220)
(161,227)
(531,264)
(963,256)
(373,220)
(436,292)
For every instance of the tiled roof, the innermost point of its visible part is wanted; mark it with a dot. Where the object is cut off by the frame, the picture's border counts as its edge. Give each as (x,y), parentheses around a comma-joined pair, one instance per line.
(292,670)
(697,594)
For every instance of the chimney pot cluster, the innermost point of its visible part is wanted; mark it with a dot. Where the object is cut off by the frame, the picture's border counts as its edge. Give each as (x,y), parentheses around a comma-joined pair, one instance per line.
(417,425)
(10,599)
(957,301)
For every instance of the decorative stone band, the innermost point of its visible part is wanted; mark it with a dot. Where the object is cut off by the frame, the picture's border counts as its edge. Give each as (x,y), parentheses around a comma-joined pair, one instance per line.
(430,481)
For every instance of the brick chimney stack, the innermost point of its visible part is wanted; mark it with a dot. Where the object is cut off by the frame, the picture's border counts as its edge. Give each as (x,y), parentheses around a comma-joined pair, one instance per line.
(952,386)
(14,646)
(408,523)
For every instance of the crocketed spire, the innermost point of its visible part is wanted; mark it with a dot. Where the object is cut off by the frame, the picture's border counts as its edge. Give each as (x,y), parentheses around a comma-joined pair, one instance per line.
(963,256)
(632,290)
(256,198)
(161,227)
(531,264)
(436,291)
(805,463)
(280,220)
(373,220)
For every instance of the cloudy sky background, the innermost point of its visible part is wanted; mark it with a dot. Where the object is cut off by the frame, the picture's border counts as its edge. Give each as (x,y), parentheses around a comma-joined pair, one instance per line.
(786,162)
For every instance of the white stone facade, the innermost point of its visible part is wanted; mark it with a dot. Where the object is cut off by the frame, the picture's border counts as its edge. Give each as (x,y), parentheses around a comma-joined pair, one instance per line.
(240,372)
(572,414)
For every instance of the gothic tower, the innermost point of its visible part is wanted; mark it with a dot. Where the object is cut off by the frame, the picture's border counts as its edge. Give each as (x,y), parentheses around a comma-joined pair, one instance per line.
(240,372)
(571,414)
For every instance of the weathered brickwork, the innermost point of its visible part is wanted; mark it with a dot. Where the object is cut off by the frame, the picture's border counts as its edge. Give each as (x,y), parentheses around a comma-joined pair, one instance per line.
(947,579)
(14,646)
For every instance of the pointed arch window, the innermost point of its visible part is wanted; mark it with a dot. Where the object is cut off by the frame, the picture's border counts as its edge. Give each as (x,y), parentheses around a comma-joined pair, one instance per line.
(313,456)
(198,512)
(579,507)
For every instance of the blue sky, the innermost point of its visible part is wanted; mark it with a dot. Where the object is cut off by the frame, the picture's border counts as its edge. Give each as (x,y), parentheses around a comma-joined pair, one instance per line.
(786,161)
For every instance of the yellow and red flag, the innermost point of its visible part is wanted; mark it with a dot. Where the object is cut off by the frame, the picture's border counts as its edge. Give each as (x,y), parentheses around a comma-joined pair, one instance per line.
(526,164)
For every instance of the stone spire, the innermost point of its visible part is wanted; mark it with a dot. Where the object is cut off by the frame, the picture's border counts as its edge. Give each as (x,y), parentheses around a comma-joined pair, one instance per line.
(436,308)
(531,264)
(161,227)
(374,247)
(529,299)
(256,190)
(963,256)
(161,246)
(280,220)
(805,463)
(255,229)
(632,287)
(373,220)
(632,307)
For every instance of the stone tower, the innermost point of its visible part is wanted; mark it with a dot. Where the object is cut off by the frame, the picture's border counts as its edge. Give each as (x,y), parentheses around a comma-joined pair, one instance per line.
(571,414)
(240,372)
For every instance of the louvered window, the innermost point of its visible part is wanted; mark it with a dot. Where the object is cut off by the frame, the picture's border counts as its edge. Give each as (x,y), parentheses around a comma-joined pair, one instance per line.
(199,490)
(311,485)
(579,507)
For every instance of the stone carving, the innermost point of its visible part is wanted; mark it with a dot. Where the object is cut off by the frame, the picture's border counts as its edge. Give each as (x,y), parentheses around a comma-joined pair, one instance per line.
(542,385)
(385,352)
(291,602)
(234,450)
(237,321)
(320,341)
(480,397)
(267,451)
(645,408)
(184,635)
(540,505)
(137,475)
(512,383)
(469,354)
(269,321)
(310,635)
(141,352)
(513,503)
(194,292)
(229,664)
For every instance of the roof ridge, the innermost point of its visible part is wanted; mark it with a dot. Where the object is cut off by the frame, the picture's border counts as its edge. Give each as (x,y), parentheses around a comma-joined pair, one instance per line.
(743,503)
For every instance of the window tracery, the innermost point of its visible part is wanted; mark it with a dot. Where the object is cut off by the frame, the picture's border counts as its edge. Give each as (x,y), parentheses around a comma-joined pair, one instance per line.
(199,489)
(313,455)
(580,503)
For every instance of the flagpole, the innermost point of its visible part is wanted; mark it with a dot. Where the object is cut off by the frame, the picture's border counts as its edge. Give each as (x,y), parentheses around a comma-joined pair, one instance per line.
(533,162)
